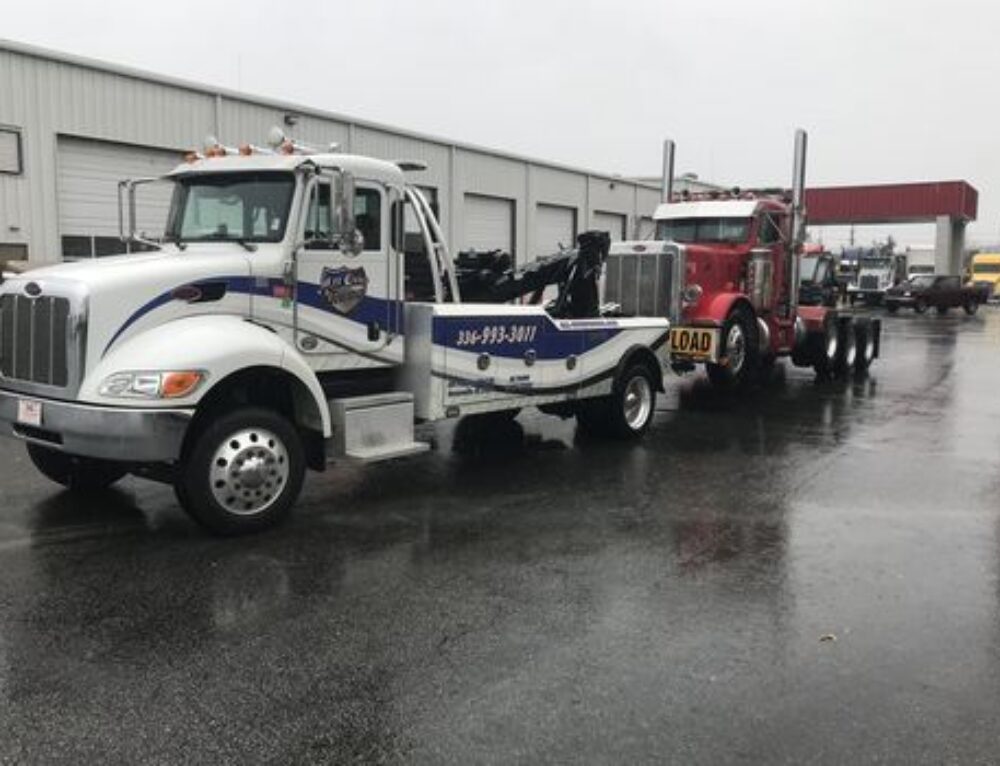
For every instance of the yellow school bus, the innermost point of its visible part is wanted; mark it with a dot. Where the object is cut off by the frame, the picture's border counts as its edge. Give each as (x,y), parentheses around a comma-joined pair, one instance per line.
(986,268)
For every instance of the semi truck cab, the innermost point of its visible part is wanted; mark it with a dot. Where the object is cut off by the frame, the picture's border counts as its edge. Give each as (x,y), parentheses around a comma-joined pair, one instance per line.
(738,309)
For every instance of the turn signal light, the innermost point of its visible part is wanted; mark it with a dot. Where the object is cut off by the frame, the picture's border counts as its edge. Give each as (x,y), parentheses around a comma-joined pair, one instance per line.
(176,385)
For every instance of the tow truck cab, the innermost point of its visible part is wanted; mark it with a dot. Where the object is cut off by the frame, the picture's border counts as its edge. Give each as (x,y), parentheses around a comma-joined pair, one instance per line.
(284,320)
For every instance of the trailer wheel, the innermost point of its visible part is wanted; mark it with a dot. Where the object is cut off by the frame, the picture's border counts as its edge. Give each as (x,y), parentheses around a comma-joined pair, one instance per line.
(83,474)
(971,306)
(628,412)
(825,348)
(739,346)
(243,472)
(864,339)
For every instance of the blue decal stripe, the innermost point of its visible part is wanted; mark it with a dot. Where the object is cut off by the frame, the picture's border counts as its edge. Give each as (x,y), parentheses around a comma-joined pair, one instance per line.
(370,310)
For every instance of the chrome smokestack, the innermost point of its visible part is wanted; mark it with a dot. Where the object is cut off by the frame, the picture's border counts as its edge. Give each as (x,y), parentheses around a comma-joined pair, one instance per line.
(798,217)
(668,171)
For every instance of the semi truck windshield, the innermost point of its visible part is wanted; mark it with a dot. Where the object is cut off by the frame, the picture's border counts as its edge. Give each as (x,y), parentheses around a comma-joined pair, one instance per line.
(703,230)
(236,207)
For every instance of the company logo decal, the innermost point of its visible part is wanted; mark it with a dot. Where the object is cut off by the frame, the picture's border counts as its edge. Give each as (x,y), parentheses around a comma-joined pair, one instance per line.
(343,288)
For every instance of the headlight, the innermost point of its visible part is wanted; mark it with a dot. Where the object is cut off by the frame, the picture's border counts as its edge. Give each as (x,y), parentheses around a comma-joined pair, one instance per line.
(172,384)
(692,294)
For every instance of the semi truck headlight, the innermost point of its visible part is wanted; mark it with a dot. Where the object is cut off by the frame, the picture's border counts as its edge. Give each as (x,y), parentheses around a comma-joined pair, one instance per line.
(692,294)
(172,384)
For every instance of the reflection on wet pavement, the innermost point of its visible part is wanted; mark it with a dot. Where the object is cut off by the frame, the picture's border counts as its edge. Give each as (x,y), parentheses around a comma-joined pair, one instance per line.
(526,594)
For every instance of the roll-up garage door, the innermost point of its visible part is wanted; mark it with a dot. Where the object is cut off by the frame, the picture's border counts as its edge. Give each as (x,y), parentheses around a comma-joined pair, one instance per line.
(488,223)
(555,226)
(89,172)
(613,223)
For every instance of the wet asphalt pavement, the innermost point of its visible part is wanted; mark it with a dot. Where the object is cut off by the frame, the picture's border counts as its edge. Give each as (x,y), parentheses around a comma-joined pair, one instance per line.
(807,574)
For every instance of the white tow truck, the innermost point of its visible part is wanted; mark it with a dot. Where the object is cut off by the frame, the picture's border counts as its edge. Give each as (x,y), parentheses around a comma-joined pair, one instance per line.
(284,322)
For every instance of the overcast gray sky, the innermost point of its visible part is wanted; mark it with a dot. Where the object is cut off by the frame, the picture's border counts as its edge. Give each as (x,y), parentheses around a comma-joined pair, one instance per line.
(889,90)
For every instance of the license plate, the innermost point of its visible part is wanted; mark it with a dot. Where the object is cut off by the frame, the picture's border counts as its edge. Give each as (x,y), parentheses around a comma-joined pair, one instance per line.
(694,342)
(29,412)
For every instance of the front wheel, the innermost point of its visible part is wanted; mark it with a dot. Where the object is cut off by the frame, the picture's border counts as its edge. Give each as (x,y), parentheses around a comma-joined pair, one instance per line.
(628,412)
(971,306)
(84,474)
(242,472)
(739,348)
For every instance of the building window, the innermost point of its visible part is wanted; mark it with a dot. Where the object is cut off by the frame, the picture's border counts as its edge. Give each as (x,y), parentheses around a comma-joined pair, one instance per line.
(77,247)
(11,161)
(13,251)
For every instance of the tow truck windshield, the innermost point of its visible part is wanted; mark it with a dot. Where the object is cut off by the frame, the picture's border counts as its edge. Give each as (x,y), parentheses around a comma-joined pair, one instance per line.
(230,207)
(687,230)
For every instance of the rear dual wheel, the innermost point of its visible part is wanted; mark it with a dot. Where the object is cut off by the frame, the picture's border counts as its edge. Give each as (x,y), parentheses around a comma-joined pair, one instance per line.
(628,412)
(825,348)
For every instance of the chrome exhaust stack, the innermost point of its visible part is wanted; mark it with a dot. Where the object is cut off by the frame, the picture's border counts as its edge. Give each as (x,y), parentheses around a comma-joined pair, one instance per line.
(667,188)
(798,219)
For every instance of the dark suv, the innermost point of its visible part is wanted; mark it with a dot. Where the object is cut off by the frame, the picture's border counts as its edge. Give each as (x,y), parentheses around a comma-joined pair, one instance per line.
(940,292)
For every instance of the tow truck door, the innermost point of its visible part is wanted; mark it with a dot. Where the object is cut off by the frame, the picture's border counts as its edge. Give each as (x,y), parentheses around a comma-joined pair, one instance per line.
(344,301)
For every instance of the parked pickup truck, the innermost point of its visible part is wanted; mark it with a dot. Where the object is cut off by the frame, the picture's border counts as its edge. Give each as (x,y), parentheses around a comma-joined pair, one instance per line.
(940,292)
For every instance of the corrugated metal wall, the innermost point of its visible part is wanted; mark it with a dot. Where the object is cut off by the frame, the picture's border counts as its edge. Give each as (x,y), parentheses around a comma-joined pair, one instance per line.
(47,95)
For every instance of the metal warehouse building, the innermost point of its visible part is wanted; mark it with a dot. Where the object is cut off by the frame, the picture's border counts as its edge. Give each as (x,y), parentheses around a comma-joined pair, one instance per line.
(71,128)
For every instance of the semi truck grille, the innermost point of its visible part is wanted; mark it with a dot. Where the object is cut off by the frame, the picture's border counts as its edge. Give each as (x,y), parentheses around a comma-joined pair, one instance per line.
(646,282)
(34,339)
(869,282)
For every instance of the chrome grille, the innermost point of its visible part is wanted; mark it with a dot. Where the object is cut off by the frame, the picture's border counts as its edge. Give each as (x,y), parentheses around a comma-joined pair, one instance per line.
(34,339)
(646,282)
(868,282)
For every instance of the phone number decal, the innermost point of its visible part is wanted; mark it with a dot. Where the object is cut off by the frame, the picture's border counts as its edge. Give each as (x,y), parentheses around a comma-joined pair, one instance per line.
(495,335)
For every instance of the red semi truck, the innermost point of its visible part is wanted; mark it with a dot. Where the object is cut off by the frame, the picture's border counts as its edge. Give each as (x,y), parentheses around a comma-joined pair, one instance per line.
(736,308)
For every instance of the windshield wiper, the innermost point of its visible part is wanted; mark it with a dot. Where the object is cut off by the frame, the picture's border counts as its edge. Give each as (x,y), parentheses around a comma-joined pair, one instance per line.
(248,246)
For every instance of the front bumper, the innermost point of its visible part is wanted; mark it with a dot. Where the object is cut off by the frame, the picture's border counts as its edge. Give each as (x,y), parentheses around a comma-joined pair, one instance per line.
(113,433)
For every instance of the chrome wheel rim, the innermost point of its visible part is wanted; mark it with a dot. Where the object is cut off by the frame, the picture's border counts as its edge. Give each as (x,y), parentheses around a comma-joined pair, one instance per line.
(851,352)
(869,349)
(249,471)
(736,348)
(831,345)
(638,402)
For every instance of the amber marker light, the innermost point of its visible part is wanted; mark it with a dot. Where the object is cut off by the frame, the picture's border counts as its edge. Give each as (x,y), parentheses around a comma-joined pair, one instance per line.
(176,385)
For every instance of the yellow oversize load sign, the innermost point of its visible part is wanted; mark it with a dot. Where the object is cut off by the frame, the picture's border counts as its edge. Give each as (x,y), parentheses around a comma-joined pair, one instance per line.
(700,343)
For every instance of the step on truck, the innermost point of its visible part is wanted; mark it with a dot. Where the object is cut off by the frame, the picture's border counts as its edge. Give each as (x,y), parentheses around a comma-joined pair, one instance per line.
(286,320)
(736,309)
